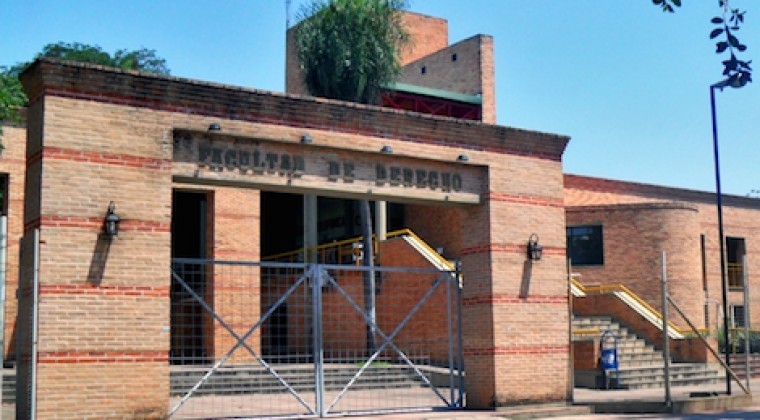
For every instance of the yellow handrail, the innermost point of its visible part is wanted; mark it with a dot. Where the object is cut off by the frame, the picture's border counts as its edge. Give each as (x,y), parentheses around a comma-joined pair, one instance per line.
(621,288)
(346,247)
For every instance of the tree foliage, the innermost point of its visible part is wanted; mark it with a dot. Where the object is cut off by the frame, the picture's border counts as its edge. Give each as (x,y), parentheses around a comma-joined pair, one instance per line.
(737,72)
(143,59)
(12,97)
(348,49)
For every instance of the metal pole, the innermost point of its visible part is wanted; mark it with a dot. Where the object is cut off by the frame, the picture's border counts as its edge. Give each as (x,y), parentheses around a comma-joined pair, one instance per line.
(35,325)
(317,280)
(571,361)
(381,220)
(450,328)
(746,317)
(3,265)
(665,338)
(721,238)
(460,344)
(310,218)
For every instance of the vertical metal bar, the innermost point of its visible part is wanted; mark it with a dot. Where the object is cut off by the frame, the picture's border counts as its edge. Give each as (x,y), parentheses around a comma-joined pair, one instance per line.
(460,364)
(746,316)
(35,325)
(665,338)
(3,266)
(721,237)
(571,361)
(450,326)
(310,218)
(317,280)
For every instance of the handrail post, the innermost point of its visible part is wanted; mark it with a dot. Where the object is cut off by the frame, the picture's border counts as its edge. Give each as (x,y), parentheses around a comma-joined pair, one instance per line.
(665,338)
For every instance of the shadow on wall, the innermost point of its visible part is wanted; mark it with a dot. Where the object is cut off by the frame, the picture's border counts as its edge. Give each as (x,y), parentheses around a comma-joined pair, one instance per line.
(99,259)
(527,274)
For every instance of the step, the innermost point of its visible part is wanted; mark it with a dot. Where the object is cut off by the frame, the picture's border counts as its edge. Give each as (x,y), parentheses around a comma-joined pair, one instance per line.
(257,379)
(641,365)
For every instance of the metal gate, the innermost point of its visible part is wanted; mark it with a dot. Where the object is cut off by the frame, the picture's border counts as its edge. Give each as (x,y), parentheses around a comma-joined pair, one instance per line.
(275,339)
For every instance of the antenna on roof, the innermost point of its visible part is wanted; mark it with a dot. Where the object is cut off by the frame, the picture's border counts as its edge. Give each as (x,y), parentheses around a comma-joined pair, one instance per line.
(287,14)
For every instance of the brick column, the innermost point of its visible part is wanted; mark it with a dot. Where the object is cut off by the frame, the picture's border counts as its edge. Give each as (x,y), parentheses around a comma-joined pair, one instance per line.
(103,303)
(515,313)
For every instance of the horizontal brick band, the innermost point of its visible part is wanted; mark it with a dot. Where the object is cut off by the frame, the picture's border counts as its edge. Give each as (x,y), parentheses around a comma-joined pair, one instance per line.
(516,350)
(510,249)
(103,357)
(525,199)
(505,299)
(116,159)
(126,225)
(168,94)
(88,289)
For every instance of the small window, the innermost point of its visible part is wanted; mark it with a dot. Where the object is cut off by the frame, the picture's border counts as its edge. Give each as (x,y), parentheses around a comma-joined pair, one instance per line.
(4,194)
(735,262)
(584,245)
(423,70)
(737,316)
(454,57)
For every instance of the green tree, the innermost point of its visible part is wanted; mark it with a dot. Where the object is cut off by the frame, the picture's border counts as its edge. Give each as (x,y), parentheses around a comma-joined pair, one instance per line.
(143,59)
(736,72)
(13,99)
(348,49)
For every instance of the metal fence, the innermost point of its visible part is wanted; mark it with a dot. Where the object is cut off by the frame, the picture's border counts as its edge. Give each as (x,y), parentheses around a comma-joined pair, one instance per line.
(277,339)
(26,327)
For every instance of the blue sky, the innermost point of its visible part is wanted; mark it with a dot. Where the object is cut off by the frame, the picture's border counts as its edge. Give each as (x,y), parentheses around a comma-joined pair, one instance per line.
(627,82)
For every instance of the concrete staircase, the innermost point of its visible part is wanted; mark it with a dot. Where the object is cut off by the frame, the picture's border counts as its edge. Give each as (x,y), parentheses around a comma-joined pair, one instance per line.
(255,379)
(640,363)
(9,386)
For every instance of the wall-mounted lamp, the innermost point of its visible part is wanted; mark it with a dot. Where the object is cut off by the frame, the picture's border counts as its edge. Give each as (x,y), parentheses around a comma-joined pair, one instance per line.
(111,225)
(214,127)
(386,149)
(306,139)
(534,248)
(463,158)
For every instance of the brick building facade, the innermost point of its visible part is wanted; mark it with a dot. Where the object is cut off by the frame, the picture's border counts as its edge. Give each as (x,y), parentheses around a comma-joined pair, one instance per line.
(97,136)
(637,222)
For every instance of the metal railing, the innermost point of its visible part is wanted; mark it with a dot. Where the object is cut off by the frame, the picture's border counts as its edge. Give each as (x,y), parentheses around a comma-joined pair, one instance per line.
(286,339)
(346,251)
(654,315)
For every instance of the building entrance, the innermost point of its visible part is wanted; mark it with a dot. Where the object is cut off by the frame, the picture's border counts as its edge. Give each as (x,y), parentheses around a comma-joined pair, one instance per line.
(343,358)
(189,240)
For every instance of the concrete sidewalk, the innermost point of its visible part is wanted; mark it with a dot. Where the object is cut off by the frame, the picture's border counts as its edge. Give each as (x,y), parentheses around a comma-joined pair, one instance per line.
(711,403)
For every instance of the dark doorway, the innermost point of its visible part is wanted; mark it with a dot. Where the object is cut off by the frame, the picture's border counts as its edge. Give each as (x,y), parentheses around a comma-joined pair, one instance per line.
(189,240)
(277,332)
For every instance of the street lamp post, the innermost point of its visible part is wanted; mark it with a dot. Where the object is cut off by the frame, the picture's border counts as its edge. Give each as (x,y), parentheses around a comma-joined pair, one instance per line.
(736,81)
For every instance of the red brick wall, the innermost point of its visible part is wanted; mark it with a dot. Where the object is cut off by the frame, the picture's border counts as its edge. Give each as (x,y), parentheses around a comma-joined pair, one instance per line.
(741,219)
(427,35)
(108,137)
(472,73)
(439,227)
(13,165)
(521,307)
(236,292)
(634,237)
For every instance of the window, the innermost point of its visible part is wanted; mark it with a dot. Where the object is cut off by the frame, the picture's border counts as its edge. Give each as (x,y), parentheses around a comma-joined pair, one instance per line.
(737,316)
(4,194)
(584,245)
(734,262)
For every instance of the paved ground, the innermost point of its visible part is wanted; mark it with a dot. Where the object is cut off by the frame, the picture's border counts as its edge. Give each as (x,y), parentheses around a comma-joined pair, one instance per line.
(635,398)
